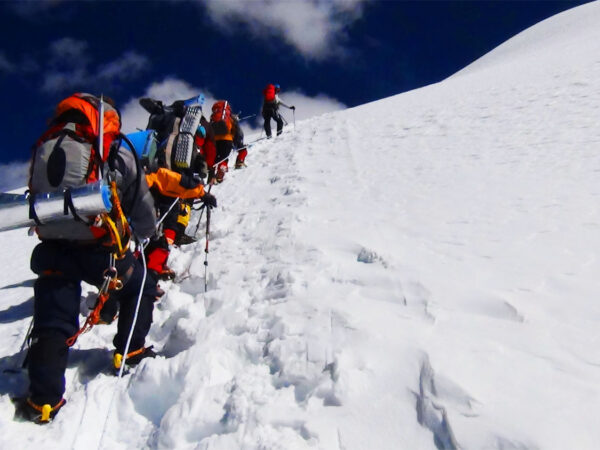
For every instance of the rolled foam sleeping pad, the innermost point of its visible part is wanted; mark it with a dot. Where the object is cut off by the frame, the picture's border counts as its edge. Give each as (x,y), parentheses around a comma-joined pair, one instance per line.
(88,200)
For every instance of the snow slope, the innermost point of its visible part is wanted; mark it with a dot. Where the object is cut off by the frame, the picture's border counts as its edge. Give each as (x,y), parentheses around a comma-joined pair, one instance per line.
(414,273)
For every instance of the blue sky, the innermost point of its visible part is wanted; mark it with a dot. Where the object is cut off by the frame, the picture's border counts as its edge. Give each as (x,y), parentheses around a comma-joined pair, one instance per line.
(325,54)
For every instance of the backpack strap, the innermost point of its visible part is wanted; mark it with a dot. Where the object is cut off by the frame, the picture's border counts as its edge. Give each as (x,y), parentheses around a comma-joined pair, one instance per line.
(138,166)
(32,214)
(70,207)
(112,166)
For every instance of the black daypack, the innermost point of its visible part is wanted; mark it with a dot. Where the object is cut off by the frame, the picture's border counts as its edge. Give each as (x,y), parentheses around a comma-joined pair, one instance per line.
(175,127)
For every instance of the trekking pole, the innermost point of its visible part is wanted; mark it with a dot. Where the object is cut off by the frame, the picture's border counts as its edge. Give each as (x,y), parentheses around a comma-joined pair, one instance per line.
(201,213)
(200,219)
(17,369)
(206,249)
(255,141)
(294,116)
(247,117)
(26,343)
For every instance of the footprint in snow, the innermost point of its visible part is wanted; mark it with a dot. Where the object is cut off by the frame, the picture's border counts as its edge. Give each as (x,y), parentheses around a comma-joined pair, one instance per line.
(369,257)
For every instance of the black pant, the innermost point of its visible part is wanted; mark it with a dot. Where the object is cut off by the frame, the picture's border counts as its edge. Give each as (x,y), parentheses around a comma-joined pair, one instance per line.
(271,113)
(61,267)
(223,150)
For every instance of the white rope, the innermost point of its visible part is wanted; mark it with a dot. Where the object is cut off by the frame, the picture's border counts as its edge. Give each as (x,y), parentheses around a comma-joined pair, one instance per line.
(164,216)
(135,317)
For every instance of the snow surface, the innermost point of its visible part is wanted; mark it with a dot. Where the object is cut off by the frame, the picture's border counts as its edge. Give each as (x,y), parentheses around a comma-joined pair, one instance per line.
(414,273)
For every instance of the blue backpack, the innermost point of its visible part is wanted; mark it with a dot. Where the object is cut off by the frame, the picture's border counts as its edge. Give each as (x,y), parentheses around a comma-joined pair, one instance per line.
(145,146)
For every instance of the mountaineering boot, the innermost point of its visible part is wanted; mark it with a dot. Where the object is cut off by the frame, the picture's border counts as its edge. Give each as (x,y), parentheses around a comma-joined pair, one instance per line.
(133,358)
(184,239)
(241,158)
(166,273)
(41,414)
(220,175)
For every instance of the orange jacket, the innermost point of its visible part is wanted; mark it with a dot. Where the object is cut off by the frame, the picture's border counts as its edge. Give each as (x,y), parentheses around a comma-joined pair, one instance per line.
(168,183)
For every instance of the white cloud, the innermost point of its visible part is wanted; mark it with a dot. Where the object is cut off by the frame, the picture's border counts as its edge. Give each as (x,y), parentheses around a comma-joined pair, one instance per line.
(306,107)
(28,8)
(5,65)
(128,66)
(133,116)
(61,81)
(70,51)
(26,65)
(315,27)
(68,66)
(13,176)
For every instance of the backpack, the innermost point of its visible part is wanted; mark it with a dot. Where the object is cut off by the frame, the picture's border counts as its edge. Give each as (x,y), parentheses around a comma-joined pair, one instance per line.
(175,127)
(69,155)
(269,93)
(145,146)
(220,119)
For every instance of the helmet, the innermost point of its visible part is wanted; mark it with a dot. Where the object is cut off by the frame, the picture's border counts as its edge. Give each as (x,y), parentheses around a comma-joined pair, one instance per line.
(277,88)
(201,131)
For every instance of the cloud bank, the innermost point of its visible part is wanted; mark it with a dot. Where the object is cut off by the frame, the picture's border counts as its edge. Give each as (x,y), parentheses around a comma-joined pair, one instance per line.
(306,107)
(5,65)
(14,175)
(27,64)
(69,64)
(134,117)
(316,28)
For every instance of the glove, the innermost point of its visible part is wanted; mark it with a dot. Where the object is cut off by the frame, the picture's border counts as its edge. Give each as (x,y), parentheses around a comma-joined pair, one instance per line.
(189,181)
(209,200)
(293,108)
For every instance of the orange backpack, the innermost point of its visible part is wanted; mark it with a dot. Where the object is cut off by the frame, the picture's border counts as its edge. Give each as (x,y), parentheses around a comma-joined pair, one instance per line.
(221,120)
(67,155)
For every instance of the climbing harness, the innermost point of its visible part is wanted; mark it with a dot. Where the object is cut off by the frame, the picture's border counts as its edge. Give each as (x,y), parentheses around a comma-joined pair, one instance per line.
(111,283)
